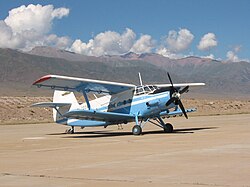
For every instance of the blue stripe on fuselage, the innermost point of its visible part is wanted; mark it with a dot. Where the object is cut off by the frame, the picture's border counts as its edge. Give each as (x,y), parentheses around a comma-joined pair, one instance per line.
(139,103)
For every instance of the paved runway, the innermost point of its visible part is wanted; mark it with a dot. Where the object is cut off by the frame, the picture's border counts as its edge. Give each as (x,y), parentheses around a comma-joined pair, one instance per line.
(203,151)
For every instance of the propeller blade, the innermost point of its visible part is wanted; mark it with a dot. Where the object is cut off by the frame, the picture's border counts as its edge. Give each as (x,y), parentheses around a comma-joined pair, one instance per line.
(170,79)
(184,90)
(170,101)
(173,88)
(182,108)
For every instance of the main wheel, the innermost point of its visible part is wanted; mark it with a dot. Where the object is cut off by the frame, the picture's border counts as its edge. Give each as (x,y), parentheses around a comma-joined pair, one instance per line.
(137,130)
(168,128)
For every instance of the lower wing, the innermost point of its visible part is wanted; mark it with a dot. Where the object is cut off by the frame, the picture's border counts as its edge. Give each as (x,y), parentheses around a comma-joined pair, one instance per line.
(110,117)
(176,112)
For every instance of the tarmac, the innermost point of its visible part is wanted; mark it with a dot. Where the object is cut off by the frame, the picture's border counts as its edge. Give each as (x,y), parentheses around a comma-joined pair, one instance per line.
(202,151)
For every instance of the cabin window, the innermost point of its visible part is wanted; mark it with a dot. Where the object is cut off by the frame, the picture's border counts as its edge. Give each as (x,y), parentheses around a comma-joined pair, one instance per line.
(145,89)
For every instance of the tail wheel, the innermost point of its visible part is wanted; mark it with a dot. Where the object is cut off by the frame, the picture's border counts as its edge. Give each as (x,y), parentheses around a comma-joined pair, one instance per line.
(70,131)
(168,128)
(137,130)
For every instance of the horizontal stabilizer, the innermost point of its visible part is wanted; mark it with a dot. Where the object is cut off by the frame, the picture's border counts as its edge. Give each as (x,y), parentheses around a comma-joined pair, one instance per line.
(50,104)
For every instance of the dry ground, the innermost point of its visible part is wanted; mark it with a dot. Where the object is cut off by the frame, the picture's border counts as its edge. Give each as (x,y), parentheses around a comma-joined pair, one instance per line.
(18,110)
(202,151)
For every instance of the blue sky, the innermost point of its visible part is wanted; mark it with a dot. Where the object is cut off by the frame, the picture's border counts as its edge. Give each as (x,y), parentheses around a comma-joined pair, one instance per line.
(227,20)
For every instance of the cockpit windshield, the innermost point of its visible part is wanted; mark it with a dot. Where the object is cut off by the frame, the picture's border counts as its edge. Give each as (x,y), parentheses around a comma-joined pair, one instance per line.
(145,89)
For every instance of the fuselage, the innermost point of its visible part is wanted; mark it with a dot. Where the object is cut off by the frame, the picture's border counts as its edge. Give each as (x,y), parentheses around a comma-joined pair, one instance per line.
(143,105)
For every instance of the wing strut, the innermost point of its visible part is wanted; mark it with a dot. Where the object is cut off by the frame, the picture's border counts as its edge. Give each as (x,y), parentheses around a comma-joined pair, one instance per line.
(86,98)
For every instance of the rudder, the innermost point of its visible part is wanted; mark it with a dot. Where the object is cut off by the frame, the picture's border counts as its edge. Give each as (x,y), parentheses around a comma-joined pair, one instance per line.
(63,97)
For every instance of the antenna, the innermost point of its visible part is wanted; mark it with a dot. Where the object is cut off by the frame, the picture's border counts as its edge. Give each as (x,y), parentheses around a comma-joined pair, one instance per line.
(140,78)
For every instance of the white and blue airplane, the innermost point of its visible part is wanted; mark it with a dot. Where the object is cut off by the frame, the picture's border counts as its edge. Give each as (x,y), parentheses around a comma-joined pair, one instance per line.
(119,103)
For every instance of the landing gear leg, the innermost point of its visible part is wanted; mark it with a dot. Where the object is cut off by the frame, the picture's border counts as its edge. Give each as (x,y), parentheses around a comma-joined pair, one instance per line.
(168,128)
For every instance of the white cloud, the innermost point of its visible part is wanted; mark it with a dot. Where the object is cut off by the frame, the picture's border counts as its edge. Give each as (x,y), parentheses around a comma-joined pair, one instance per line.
(34,17)
(232,57)
(28,26)
(8,38)
(82,48)
(176,42)
(58,42)
(144,44)
(113,43)
(168,53)
(59,12)
(211,56)
(180,41)
(207,42)
(127,39)
(106,43)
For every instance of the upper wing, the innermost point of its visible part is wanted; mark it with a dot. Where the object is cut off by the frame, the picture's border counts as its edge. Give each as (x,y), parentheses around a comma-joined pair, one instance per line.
(79,84)
(99,116)
(167,87)
(179,85)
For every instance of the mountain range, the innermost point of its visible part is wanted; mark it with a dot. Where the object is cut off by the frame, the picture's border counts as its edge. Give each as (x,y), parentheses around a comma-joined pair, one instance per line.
(19,69)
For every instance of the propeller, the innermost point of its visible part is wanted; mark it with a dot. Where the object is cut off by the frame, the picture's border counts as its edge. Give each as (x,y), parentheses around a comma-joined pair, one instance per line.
(175,96)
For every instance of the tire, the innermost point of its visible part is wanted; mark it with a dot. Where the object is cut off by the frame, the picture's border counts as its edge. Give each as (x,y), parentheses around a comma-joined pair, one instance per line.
(168,128)
(137,130)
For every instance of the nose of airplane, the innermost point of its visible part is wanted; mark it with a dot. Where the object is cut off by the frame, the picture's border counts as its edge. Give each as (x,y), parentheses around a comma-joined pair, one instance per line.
(175,96)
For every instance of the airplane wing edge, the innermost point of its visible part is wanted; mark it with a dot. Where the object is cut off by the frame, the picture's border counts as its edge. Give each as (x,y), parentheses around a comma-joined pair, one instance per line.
(50,104)
(180,85)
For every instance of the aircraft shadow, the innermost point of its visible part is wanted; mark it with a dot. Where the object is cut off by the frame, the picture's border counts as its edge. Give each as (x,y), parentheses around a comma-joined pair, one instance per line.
(193,129)
(100,134)
(82,132)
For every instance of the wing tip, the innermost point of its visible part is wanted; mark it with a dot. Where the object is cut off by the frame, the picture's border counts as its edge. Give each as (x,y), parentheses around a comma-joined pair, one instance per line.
(44,78)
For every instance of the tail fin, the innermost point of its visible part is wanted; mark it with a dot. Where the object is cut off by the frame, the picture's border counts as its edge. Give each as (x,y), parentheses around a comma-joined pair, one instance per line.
(63,97)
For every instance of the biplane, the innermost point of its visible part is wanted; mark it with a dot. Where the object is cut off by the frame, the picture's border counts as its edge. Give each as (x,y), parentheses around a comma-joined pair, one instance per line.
(111,103)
